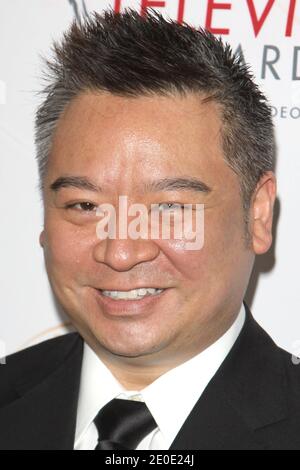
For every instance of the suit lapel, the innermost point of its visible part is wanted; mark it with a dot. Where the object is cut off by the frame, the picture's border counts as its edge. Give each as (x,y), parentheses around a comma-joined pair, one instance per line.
(44,416)
(246,394)
(215,425)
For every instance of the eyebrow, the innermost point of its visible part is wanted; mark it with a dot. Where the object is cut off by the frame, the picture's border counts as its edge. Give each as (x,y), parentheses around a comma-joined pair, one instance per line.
(164,184)
(79,182)
(178,184)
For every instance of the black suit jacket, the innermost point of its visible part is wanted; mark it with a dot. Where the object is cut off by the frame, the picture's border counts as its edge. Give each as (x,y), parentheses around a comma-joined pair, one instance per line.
(252,402)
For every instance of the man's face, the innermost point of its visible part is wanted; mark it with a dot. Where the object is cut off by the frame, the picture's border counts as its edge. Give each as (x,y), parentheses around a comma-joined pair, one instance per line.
(121,145)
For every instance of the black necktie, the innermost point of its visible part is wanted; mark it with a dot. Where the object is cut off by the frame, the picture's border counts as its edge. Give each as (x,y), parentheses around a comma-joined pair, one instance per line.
(122,424)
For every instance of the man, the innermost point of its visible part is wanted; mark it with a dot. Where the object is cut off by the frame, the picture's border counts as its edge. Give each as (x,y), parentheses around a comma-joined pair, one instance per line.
(167,354)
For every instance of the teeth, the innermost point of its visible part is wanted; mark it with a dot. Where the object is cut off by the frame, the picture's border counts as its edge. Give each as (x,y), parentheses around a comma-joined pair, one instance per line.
(132,294)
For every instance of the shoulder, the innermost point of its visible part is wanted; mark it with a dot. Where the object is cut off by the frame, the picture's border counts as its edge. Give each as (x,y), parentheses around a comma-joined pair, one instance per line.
(292,371)
(279,378)
(37,362)
(46,354)
(275,358)
(265,354)
(285,434)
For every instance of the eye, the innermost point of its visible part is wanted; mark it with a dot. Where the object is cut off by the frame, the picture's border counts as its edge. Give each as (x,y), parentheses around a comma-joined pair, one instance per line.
(171,205)
(82,206)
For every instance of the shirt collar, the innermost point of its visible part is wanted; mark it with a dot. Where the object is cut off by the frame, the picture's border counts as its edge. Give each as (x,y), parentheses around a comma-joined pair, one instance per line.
(98,385)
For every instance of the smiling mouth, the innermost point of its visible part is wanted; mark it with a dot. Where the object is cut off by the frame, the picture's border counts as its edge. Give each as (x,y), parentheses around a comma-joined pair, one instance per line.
(123,307)
(133,294)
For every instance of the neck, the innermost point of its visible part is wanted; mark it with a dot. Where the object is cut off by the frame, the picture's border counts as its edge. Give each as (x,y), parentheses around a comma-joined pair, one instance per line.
(136,373)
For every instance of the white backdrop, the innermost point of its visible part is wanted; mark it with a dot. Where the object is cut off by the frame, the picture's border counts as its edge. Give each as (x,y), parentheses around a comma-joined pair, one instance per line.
(268,32)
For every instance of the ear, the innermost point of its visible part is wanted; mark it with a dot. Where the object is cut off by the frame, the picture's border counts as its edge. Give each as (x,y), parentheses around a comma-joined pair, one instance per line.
(262,213)
(42,238)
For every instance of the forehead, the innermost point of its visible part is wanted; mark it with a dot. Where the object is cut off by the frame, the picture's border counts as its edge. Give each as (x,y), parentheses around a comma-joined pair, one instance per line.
(140,135)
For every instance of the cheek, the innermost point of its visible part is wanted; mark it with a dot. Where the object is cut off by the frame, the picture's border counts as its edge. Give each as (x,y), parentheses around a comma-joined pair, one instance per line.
(220,254)
(66,249)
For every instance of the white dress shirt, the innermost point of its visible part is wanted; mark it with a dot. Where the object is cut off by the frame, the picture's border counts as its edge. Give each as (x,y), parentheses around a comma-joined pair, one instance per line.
(170,398)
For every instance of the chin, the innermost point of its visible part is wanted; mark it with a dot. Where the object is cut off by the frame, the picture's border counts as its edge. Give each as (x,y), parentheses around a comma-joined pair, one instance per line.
(126,348)
(131,350)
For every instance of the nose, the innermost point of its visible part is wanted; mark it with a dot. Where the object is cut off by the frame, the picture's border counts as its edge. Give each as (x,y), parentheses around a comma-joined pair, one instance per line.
(122,255)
